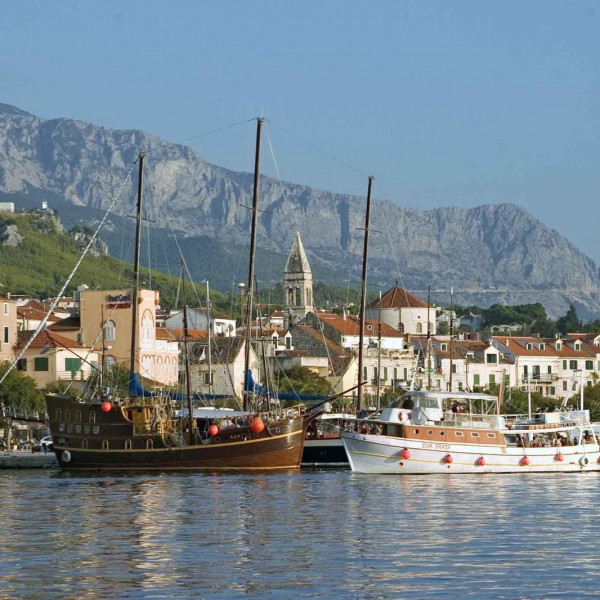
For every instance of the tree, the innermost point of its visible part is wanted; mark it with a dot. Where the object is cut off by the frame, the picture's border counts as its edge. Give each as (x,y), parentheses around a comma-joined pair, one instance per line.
(303,381)
(19,392)
(569,322)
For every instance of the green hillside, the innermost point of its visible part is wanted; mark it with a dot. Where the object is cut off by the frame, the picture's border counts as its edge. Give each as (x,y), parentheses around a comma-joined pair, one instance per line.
(42,261)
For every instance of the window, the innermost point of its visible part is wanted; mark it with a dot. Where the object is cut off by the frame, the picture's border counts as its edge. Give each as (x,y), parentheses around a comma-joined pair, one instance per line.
(460,386)
(492,379)
(5,335)
(84,444)
(149,444)
(148,331)
(443,347)
(559,345)
(577,346)
(475,434)
(470,356)
(542,346)
(22,364)
(401,327)
(419,327)
(40,364)
(110,332)
(67,415)
(454,367)
(6,308)
(73,365)
(476,379)
(491,358)
(365,375)
(564,386)
(209,378)
(459,434)
(491,435)
(288,342)
(385,373)
(92,416)
(275,340)
(104,444)
(127,444)
(589,365)
(573,365)
(565,365)
(529,346)
(78,416)
(58,415)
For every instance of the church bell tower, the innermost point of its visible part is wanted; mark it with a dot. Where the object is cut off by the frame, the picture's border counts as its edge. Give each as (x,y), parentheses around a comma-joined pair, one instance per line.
(297,282)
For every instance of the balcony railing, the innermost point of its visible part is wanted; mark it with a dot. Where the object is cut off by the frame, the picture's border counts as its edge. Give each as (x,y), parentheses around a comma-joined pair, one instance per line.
(540,378)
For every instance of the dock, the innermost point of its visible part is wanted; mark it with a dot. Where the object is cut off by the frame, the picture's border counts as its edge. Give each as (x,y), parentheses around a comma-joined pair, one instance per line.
(24,459)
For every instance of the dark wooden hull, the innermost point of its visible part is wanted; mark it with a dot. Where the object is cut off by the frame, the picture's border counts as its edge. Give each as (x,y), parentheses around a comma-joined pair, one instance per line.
(85,437)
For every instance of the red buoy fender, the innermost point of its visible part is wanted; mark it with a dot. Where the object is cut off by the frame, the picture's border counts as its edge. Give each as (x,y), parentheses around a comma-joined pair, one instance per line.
(448,459)
(525,461)
(106,406)
(405,454)
(559,457)
(481,461)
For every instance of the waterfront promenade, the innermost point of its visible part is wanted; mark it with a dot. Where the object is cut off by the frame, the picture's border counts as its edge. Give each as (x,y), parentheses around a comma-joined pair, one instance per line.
(25,459)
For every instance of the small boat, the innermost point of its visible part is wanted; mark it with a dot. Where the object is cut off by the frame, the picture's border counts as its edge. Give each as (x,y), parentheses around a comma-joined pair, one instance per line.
(323,446)
(454,432)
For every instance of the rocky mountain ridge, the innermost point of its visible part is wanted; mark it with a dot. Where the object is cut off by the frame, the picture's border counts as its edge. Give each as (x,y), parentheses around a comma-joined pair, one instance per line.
(491,253)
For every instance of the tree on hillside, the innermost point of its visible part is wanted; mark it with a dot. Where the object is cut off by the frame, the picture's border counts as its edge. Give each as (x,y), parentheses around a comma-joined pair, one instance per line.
(569,322)
(545,327)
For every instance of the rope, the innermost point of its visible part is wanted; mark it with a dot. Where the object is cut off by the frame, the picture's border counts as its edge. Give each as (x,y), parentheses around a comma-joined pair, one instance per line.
(64,287)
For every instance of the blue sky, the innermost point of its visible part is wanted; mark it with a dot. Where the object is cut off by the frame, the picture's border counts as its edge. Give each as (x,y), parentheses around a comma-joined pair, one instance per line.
(444,102)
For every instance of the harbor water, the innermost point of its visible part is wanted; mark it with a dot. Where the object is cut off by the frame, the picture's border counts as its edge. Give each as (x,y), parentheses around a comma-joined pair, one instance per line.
(299,534)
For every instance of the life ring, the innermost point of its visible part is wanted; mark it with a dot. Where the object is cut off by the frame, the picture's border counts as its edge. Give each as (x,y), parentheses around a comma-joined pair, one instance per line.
(277,430)
(66,456)
(583,461)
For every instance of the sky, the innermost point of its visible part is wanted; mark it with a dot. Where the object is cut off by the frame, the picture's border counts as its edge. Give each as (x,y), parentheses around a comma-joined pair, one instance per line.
(444,102)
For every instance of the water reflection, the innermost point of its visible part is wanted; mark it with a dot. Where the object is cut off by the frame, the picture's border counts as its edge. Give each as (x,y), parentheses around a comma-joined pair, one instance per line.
(297,535)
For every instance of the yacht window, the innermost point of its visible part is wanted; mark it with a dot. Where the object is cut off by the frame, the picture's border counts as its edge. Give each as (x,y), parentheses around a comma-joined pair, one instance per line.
(84,443)
(127,444)
(149,444)
(104,444)
(459,434)
(491,435)
(475,434)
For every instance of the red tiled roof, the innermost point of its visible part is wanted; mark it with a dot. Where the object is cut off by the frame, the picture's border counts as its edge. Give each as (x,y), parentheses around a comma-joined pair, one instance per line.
(176,333)
(351,325)
(398,297)
(45,338)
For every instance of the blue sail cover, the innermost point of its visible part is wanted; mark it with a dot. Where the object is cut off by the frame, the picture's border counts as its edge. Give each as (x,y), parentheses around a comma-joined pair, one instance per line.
(251,386)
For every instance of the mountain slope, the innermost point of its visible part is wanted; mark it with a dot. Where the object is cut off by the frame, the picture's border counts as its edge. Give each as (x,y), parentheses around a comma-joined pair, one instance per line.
(488,254)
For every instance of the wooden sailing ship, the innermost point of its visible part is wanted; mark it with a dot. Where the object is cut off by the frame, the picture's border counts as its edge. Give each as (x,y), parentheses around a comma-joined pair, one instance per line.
(149,431)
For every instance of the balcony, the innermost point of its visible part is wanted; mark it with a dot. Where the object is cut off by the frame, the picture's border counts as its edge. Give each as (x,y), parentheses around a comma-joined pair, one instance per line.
(540,378)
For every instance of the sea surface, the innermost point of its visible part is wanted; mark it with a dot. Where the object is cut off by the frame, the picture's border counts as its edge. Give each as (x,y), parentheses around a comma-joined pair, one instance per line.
(298,534)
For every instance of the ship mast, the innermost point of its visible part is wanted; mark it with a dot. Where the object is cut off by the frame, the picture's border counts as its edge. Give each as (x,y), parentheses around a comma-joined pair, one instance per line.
(363,297)
(188,387)
(250,290)
(133,367)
